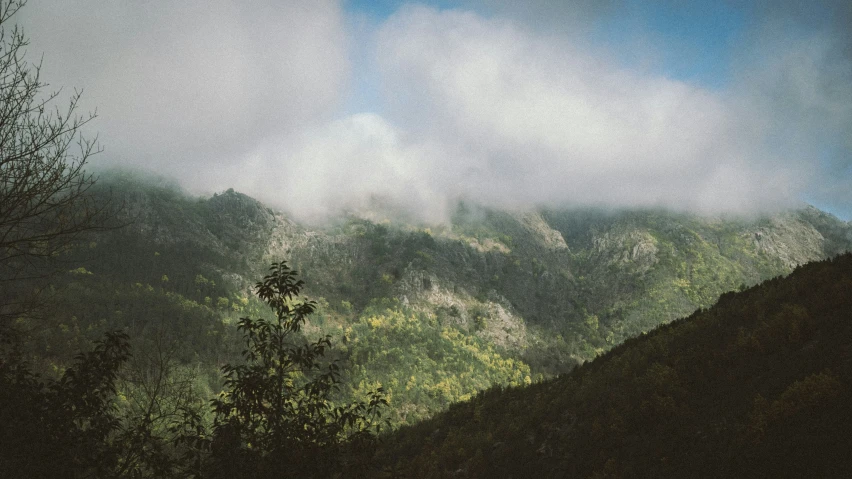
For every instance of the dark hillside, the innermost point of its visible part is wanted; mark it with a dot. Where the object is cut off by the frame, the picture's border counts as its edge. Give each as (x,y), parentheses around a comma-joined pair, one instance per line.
(757,386)
(527,295)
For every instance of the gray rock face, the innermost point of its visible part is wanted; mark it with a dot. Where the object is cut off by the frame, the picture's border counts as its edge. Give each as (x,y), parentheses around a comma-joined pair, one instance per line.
(539,228)
(624,245)
(791,239)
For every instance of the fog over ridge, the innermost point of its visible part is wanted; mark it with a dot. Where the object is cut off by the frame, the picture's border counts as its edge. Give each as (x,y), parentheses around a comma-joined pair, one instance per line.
(474,102)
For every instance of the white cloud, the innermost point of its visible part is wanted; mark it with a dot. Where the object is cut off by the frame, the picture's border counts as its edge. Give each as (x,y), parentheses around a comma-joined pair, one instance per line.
(189,87)
(538,119)
(251,95)
(355,164)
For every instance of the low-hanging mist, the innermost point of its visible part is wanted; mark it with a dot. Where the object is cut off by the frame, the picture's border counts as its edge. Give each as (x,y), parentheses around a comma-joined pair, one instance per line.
(475,102)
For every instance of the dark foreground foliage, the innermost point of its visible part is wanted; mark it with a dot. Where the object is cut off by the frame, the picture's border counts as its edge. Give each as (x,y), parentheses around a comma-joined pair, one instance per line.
(274,418)
(757,386)
(64,428)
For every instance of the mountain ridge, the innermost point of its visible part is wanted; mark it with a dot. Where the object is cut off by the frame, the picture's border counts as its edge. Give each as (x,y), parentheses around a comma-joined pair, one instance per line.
(549,267)
(756,386)
(532,295)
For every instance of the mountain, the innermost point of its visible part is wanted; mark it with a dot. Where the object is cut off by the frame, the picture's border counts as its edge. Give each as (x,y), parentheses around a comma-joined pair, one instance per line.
(759,385)
(433,313)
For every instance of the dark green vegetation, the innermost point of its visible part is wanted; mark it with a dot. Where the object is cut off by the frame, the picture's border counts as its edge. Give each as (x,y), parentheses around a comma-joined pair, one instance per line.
(430,314)
(274,417)
(757,386)
(127,347)
(66,427)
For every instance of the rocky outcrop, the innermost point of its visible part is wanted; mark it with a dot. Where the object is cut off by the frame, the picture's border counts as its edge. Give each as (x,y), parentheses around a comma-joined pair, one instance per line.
(790,239)
(633,246)
(547,236)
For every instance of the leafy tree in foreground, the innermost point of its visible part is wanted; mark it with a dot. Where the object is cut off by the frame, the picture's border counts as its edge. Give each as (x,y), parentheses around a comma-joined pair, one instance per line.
(63,428)
(276,417)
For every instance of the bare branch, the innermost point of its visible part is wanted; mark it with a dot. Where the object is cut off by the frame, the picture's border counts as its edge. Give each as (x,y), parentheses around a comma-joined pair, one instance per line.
(45,199)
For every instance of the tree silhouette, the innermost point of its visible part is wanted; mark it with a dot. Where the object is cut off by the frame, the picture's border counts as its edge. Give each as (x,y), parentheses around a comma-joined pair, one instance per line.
(277,417)
(44,189)
(67,427)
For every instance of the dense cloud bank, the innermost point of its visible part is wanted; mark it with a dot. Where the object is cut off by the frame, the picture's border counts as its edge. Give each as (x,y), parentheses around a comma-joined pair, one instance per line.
(191,88)
(486,102)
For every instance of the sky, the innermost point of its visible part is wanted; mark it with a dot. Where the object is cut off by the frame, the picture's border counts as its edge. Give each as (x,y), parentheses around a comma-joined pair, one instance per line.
(728,107)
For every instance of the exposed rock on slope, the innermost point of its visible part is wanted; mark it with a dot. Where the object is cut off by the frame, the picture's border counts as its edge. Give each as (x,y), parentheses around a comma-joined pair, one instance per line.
(582,279)
(757,386)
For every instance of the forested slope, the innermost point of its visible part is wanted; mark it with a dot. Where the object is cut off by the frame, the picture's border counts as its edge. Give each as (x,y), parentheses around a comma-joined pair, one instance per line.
(759,385)
(432,313)
(555,288)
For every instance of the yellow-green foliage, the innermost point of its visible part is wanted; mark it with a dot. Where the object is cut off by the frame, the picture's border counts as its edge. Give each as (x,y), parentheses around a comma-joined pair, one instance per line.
(423,366)
(756,386)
